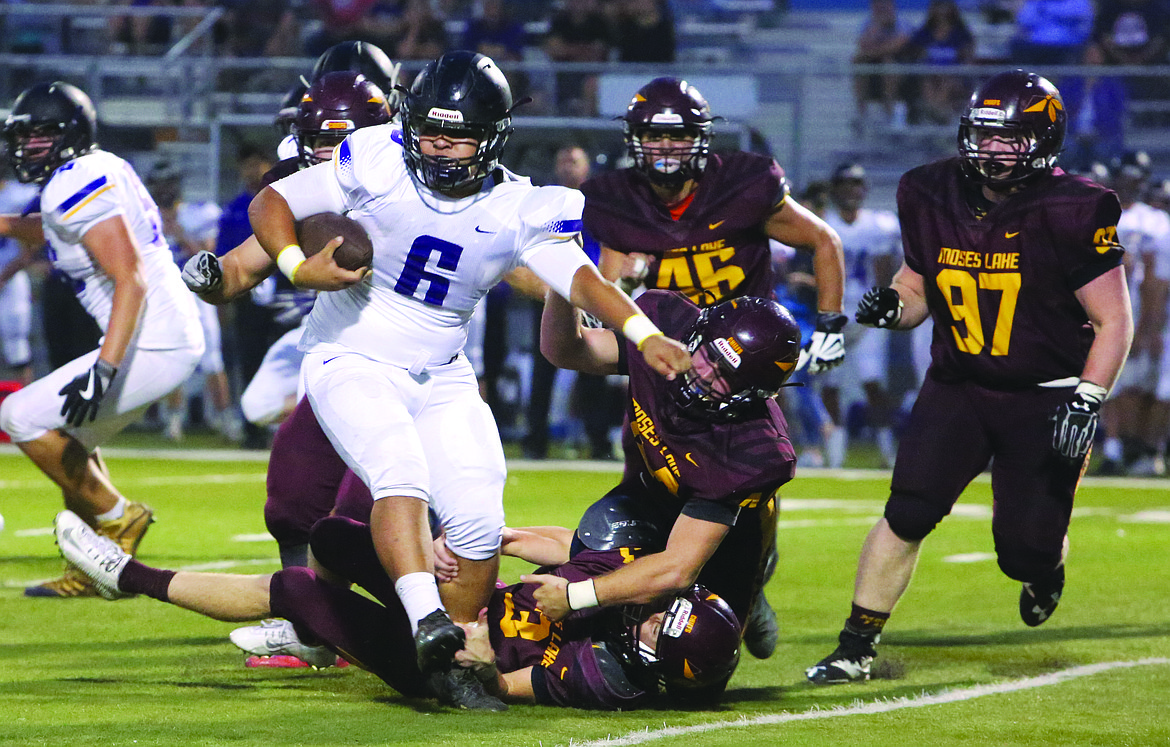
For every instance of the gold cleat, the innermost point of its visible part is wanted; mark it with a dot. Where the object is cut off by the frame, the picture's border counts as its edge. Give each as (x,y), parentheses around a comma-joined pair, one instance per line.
(73,583)
(129,530)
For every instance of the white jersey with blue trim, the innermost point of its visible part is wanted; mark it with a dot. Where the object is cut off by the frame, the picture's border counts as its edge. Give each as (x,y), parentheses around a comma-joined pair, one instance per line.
(14,198)
(87,191)
(874,233)
(435,257)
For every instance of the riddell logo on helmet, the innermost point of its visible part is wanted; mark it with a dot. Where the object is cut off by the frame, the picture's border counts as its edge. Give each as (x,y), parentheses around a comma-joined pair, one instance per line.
(728,349)
(679,619)
(446,115)
(983,114)
(337,124)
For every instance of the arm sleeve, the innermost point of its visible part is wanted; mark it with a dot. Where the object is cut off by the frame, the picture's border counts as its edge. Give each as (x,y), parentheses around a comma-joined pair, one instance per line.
(550,236)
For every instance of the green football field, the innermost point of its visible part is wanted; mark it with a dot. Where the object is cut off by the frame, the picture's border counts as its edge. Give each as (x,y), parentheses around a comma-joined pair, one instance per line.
(957,667)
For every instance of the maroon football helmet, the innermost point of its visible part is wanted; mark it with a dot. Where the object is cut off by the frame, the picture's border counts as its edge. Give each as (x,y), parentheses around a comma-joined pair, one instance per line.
(744,350)
(1026,114)
(696,649)
(668,105)
(365,58)
(336,105)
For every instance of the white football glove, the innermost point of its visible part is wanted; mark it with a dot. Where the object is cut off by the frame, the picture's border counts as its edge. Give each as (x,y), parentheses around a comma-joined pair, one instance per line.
(202,272)
(826,347)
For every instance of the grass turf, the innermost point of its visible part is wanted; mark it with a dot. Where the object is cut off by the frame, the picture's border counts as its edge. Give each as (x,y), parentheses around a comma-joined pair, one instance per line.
(87,671)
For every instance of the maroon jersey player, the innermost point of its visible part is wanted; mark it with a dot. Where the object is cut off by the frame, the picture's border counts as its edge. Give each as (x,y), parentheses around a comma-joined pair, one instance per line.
(704,454)
(604,659)
(1018,265)
(685,219)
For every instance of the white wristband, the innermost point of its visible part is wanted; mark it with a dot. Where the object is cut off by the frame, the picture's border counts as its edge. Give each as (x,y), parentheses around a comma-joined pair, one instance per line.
(582,594)
(638,328)
(289,259)
(1094,391)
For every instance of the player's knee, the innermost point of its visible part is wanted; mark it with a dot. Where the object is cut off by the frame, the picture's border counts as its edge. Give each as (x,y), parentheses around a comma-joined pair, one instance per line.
(258,408)
(475,536)
(289,588)
(912,518)
(1026,564)
(15,420)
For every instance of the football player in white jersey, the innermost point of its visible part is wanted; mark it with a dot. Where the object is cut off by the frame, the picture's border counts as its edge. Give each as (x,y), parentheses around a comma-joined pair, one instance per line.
(871,242)
(384,368)
(15,287)
(105,234)
(1135,418)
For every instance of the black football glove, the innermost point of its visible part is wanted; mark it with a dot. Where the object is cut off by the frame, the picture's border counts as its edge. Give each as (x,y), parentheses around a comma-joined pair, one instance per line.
(202,272)
(879,307)
(84,394)
(826,347)
(1076,422)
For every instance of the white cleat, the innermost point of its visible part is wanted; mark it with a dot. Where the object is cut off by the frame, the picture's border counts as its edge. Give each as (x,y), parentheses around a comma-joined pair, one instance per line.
(278,638)
(98,557)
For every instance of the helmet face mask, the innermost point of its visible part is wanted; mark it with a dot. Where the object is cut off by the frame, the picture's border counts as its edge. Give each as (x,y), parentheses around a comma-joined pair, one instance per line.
(668,132)
(334,106)
(743,351)
(50,124)
(1012,130)
(464,97)
(691,644)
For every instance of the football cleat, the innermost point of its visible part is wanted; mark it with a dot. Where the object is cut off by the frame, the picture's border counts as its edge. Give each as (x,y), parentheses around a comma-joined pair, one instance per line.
(73,583)
(284,661)
(436,641)
(129,530)
(849,663)
(1038,601)
(274,644)
(762,631)
(98,557)
(459,687)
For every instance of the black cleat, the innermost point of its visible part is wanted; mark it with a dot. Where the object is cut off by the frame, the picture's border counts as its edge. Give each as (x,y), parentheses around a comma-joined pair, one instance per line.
(1038,601)
(849,663)
(458,687)
(762,631)
(436,642)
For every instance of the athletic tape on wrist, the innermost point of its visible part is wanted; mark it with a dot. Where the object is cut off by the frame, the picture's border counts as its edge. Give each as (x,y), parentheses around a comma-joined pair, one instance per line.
(582,594)
(289,259)
(638,328)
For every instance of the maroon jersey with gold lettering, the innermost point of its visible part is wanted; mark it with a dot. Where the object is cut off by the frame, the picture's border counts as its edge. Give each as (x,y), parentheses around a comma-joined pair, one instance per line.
(717,249)
(1001,288)
(695,458)
(570,659)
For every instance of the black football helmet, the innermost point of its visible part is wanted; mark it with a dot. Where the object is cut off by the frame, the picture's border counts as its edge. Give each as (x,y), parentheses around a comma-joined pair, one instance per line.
(1020,107)
(466,94)
(365,58)
(673,105)
(752,344)
(50,124)
(696,649)
(334,106)
(287,113)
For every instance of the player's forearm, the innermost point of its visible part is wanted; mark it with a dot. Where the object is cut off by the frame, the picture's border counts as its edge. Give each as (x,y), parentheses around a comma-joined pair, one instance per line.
(601,298)
(538,545)
(244,267)
(25,228)
(829,270)
(564,342)
(646,579)
(1109,351)
(129,298)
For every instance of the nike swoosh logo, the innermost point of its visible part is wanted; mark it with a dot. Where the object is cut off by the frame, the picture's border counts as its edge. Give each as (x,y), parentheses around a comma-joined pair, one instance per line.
(326,363)
(480,230)
(1011,234)
(713,226)
(88,391)
(688,454)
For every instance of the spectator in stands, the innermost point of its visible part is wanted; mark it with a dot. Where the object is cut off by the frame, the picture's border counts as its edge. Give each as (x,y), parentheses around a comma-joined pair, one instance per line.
(1097,107)
(15,287)
(253,329)
(423,35)
(1131,32)
(644,31)
(379,22)
(261,28)
(882,40)
(1051,32)
(943,39)
(577,33)
(495,32)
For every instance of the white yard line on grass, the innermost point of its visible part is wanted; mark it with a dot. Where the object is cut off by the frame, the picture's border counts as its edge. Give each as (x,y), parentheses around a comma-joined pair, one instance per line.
(883,706)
